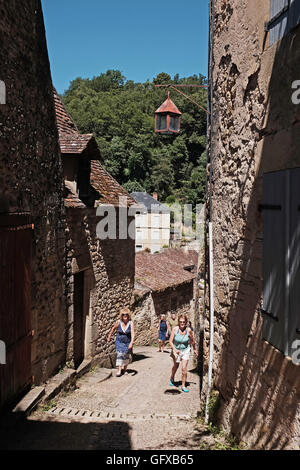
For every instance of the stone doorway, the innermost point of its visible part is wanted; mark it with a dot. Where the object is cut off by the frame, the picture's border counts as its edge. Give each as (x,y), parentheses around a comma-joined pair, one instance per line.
(81,323)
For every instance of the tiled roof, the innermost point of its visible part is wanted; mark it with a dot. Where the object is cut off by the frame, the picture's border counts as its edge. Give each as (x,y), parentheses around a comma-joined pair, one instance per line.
(65,123)
(162,270)
(73,143)
(108,187)
(151,204)
(70,140)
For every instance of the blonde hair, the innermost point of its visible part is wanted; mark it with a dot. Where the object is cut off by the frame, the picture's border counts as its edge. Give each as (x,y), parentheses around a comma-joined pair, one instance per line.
(125,311)
(184,317)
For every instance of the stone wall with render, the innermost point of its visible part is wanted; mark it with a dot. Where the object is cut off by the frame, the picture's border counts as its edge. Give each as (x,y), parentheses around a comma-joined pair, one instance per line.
(149,305)
(109,276)
(256,129)
(31,177)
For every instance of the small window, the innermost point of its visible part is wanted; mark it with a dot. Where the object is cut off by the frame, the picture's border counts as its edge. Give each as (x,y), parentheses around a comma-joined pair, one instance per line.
(161,122)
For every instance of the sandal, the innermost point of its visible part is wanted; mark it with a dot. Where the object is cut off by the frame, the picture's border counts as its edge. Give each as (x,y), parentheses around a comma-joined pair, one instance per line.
(171,383)
(184,389)
(118,374)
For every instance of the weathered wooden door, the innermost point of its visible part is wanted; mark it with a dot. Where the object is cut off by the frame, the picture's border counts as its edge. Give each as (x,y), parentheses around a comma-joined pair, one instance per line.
(15,303)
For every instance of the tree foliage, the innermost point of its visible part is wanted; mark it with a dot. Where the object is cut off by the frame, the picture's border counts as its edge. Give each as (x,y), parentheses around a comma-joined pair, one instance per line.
(120,113)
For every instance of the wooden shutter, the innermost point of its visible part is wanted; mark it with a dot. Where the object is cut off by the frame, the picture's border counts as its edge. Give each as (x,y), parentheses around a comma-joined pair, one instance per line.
(279,27)
(294,14)
(294,257)
(274,258)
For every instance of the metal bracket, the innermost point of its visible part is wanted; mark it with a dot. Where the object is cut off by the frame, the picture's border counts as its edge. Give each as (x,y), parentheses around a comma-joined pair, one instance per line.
(269,314)
(268,24)
(270,207)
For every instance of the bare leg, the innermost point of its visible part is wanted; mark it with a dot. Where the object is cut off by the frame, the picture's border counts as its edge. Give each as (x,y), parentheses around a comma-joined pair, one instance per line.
(159,346)
(174,368)
(162,345)
(119,371)
(184,372)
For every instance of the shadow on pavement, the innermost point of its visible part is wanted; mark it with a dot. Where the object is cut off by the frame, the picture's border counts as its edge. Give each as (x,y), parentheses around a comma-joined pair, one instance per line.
(172,392)
(139,357)
(51,435)
(132,372)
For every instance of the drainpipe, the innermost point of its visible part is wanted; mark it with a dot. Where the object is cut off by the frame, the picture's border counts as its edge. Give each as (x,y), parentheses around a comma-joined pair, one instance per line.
(210,226)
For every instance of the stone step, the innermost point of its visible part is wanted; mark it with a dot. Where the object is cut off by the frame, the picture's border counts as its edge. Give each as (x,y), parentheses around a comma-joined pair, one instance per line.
(108,414)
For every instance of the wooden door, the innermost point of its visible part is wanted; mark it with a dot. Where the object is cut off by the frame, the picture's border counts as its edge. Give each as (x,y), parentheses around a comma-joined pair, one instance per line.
(15,307)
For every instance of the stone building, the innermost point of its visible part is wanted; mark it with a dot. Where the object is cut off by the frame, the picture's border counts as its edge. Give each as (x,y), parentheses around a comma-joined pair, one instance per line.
(152,223)
(163,282)
(100,271)
(32,214)
(255,163)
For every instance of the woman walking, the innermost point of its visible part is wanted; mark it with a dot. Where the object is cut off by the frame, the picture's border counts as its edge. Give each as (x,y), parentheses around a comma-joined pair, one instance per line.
(124,340)
(163,328)
(181,338)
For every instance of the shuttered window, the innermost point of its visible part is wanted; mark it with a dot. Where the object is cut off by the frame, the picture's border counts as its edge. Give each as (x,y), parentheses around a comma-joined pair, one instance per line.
(284,16)
(281,258)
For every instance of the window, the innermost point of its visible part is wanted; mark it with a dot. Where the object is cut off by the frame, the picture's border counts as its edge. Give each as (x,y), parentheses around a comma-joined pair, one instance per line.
(138,220)
(281,258)
(139,235)
(155,234)
(284,16)
(155,220)
(138,248)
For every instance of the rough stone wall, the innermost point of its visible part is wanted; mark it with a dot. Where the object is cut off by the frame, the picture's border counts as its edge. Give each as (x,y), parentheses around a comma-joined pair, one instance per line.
(255,130)
(30,171)
(145,319)
(150,305)
(109,266)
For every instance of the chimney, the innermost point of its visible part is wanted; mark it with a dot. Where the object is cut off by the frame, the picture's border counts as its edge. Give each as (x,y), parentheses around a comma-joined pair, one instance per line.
(155,195)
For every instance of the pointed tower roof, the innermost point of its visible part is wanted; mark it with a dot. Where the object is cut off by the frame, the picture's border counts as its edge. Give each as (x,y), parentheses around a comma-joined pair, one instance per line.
(168,107)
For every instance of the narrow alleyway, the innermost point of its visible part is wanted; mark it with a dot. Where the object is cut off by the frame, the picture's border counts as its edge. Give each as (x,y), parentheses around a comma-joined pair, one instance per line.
(136,411)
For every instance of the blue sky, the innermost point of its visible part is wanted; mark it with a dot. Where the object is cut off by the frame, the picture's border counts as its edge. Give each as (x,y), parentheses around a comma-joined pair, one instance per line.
(139,37)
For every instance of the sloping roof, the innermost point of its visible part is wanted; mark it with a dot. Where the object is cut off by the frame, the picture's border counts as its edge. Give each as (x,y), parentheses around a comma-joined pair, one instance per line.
(70,140)
(109,189)
(151,204)
(162,270)
(168,107)
(65,123)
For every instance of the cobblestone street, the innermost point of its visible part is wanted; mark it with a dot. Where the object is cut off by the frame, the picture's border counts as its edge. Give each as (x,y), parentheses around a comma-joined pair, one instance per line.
(136,411)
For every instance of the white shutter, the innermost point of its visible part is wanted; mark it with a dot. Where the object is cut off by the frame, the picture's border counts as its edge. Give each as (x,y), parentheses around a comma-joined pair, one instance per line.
(279,27)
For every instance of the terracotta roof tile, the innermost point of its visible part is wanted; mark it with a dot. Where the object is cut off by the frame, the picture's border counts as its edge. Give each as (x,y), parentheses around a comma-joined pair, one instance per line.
(65,123)
(70,140)
(74,143)
(162,270)
(107,186)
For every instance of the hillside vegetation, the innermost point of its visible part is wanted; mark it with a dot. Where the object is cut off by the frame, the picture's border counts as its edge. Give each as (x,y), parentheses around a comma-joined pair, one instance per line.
(120,113)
